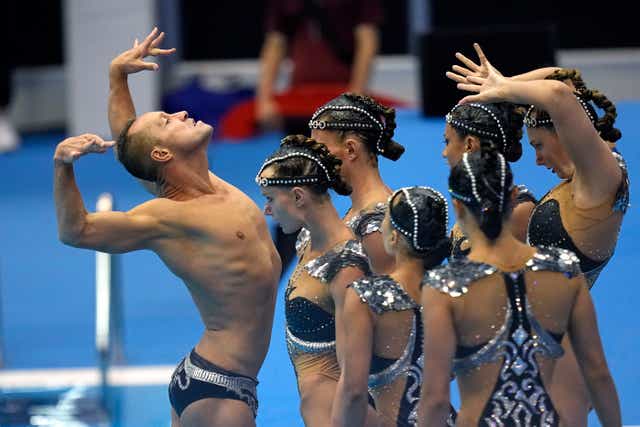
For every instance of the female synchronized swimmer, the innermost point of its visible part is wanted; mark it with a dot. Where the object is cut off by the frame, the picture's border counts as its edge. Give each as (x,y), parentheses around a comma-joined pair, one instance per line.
(584,212)
(295,181)
(497,318)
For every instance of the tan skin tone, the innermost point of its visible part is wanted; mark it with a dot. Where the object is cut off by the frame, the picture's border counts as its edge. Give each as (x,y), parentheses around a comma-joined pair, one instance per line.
(449,322)
(206,231)
(455,147)
(385,335)
(294,208)
(360,172)
(572,150)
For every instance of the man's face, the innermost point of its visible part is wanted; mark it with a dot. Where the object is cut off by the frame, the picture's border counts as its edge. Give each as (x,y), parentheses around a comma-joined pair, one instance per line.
(176,131)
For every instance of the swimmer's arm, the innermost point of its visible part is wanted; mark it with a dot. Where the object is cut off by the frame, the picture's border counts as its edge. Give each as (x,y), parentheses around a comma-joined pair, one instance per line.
(338,289)
(520,220)
(350,402)
(597,172)
(439,349)
(585,339)
(537,74)
(111,232)
(121,108)
(381,262)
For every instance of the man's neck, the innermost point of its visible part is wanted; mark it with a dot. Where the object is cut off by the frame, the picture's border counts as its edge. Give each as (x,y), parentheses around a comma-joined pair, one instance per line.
(185,181)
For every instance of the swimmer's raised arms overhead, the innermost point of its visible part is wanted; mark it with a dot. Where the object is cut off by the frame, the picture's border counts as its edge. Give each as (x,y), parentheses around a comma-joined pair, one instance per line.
(205,230)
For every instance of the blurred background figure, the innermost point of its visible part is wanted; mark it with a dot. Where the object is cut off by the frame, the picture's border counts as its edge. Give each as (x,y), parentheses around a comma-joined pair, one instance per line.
(332,45)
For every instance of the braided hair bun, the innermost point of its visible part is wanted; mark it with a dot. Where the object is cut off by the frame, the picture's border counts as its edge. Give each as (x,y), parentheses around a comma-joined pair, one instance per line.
(373,122)
(302,161)
(421,216)
(483,182)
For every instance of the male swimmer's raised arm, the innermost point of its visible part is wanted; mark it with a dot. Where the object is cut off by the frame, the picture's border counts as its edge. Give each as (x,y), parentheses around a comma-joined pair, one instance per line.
(350,401)
(121,108)
(112,232)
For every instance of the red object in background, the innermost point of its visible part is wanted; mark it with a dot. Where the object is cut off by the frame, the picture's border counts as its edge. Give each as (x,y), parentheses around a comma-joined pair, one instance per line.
(301,101)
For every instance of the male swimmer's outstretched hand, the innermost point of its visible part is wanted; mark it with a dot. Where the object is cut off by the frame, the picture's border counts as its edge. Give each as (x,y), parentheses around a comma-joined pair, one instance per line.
(121,108)
(75,147)
(132,60)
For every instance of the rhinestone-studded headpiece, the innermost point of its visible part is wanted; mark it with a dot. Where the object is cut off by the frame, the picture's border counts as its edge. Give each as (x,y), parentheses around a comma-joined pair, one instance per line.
(474,130)
(474,185)
(532,122)
(413,234)
(314,123)
(293,180)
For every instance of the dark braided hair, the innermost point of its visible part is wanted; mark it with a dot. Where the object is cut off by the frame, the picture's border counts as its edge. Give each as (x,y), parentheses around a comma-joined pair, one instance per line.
(371,121)
(586,96)
(431,218)
(302,161)
(476,119)
(478,182)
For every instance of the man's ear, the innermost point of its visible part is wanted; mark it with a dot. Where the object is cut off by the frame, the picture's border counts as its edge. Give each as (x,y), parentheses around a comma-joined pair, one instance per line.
(160,154)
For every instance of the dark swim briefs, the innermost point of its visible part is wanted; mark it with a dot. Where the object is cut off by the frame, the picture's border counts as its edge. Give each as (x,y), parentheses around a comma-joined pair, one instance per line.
(196,378)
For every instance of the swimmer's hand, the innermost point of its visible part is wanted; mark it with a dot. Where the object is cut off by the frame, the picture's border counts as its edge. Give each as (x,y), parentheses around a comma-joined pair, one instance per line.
(75,147)
(132,60)
(461,74)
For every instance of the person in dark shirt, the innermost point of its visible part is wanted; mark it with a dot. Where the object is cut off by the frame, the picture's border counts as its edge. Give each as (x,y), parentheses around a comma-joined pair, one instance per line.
(328,41)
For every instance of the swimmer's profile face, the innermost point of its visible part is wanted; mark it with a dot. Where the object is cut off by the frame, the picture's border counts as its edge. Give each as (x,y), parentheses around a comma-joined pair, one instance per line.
(549,152)
(454,147)
(281,205)
(177,132)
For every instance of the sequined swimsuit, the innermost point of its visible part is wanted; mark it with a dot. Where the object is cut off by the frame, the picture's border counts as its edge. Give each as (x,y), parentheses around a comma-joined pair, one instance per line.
(459,240)
(310,329)
(518,397)
(546,227)
(383,294)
